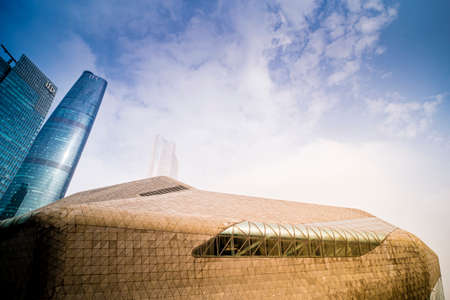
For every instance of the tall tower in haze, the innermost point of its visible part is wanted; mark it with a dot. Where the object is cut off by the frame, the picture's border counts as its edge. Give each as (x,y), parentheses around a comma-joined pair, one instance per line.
(48,168)
(25,98)
(164,161)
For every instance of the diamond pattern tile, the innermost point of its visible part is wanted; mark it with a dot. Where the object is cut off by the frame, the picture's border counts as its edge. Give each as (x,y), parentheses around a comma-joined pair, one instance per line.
(115,243)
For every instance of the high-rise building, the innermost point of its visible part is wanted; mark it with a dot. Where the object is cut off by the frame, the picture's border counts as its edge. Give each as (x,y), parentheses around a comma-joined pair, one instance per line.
(45,174)
(159,238)
(25,98)
(164,161)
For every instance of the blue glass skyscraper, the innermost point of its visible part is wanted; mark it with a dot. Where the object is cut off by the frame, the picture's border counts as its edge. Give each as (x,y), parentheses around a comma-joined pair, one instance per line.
(25,98)
(48,168)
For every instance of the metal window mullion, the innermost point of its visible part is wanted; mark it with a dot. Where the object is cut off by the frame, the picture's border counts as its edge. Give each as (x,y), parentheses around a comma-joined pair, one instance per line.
(230,239)
(309,242)
(232,242)
(346,241)
(217,245)
(295,241)
(279,241)
(359,243)
(265,240)
(334,241)
(321,244)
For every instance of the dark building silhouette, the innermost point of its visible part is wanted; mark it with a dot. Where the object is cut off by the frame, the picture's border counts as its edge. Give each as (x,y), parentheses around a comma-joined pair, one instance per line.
(16,200)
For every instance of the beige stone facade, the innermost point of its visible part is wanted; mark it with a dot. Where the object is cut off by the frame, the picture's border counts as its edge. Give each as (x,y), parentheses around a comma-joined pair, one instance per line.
(137,241)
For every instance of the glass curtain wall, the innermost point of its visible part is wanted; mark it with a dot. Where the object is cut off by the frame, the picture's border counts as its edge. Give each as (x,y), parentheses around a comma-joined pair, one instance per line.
(48,168)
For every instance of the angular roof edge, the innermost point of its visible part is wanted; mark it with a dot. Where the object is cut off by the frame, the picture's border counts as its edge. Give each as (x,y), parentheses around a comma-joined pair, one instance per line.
(123,190)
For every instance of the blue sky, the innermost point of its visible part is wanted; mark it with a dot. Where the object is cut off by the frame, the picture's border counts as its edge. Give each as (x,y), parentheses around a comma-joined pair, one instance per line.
(335,102)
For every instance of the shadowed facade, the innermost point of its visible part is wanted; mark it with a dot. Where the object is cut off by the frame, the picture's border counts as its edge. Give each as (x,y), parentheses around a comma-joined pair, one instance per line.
(159,238)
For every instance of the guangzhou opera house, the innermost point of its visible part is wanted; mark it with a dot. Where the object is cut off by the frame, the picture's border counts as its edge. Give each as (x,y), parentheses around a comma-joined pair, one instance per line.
(160,238)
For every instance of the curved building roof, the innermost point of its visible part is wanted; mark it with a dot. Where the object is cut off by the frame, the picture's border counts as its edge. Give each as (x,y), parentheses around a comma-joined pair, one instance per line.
(160,238)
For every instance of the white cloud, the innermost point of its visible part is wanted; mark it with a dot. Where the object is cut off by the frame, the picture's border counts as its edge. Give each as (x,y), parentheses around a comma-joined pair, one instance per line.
(380,50)
(214,90)
(341,48)
(386,75)
(369,25)
(348,69)
(295,11)
(374,4)
(354,5)
(404,118)
(336,25)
